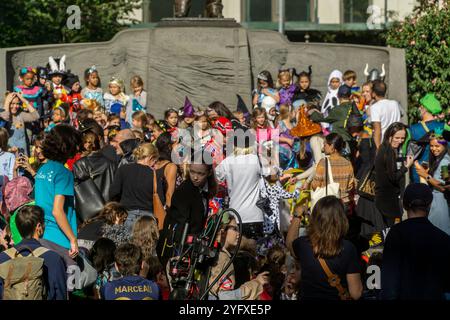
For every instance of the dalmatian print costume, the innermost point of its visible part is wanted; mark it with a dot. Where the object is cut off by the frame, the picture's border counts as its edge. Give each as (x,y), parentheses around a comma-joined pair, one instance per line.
(275,193)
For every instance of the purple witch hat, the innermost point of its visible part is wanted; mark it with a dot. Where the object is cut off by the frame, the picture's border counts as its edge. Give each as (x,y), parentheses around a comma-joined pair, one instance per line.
(188,109)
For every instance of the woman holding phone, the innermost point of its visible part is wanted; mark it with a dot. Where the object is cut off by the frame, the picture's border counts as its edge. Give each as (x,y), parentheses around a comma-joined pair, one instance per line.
(439,158)
(390,178)
(29,166)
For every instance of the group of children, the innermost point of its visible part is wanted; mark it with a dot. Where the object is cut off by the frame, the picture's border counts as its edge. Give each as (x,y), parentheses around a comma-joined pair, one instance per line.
(289,112)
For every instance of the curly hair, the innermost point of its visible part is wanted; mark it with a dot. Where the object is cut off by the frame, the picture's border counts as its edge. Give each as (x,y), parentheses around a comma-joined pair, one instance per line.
(145,235)
(111,213)
(61,143)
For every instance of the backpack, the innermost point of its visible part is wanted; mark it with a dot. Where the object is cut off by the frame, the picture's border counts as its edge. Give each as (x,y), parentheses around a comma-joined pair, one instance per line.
(354,118)
(23,276)
(15,234)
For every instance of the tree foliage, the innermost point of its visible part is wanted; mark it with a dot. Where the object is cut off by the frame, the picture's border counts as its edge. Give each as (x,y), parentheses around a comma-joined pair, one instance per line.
(425,35)
(30,22)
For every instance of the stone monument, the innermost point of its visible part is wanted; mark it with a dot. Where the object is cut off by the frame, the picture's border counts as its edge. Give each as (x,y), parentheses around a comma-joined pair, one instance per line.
(213,8)
(206,60)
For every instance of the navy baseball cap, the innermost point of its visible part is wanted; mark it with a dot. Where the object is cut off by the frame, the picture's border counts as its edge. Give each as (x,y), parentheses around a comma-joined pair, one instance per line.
(344,91)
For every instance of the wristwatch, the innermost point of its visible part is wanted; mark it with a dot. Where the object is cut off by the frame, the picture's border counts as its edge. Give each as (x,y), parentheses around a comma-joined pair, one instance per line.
(429,177)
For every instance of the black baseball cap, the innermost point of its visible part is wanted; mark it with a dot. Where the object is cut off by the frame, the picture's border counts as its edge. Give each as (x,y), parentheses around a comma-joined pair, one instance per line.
(417,195)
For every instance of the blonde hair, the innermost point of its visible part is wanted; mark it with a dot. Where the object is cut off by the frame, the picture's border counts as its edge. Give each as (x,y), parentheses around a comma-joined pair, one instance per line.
(285,112)
(145,150)
(282,75)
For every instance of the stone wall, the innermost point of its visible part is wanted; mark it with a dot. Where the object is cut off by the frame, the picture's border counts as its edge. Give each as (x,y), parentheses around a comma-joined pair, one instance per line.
(205,63)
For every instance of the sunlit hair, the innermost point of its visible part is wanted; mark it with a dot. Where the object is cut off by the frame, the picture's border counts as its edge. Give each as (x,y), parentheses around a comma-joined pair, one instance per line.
(145,235)
(112,213)
(136,81)
(145,150)
(327,227)
(285,112)
(284,74)
(140,116)
(256,113)
(93,142)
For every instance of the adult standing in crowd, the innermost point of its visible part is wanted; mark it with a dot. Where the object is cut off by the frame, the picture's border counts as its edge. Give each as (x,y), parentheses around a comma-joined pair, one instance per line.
(189,205)
(383,112)
(242,171)
(416,258)
(96,166)
(419,144)
(133,184)
(125,142)
(166,170)
(55,184)
(439,158)
(324,253)
(341,170)
(391,170)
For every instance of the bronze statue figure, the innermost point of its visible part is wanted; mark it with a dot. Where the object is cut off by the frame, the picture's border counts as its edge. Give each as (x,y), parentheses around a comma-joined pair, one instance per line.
(213,8)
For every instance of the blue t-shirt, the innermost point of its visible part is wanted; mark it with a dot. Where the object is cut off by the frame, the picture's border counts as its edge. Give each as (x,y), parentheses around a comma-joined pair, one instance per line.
(130,288)
(54,179)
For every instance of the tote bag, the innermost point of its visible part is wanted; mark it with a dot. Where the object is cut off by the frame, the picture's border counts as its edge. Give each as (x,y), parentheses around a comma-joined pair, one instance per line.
(330,189)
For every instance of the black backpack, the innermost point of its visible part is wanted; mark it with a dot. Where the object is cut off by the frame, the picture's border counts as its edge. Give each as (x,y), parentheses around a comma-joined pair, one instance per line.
(354,118)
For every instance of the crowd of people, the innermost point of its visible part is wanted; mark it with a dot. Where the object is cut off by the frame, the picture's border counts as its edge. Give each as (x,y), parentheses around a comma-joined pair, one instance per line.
(326,186)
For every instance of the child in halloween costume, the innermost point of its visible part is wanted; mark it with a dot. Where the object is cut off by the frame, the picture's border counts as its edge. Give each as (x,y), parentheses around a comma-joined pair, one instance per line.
(305,94)
(187,116)
(31,90)
(274,191)
(93,89)
(331,99)
(56,74)
(138,99)
(74,98)
(43,82)
(265,90)
(59,116)
(115,95)
(286,89)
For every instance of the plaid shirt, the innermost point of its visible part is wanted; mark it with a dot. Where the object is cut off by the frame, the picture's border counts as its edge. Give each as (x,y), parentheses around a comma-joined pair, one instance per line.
(342,171)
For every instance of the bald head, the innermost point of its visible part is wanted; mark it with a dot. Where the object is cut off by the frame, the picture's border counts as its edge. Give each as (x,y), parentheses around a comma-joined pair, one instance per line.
(125,134)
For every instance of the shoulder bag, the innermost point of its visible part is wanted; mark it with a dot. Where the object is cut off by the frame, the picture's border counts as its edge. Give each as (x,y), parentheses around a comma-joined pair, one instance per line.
(88,199)
(330,189)
(335,281)
(158,209)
